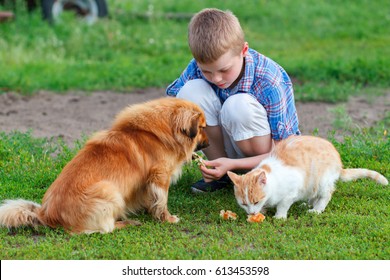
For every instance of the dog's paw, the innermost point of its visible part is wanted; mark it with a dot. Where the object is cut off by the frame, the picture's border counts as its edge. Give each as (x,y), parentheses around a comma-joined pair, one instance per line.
(173,219)
(126,223)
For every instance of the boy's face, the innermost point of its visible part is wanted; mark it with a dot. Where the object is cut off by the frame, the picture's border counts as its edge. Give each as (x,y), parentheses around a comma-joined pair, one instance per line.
(225,70)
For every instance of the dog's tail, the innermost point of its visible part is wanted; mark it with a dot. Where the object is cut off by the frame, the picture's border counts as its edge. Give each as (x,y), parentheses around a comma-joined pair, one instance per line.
(15,213)
(350,174)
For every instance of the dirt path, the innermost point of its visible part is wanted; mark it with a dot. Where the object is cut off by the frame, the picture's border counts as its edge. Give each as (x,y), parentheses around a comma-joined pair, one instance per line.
(75,114)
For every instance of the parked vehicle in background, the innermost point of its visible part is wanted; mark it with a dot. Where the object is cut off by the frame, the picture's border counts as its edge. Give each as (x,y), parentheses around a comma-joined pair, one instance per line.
(89,10)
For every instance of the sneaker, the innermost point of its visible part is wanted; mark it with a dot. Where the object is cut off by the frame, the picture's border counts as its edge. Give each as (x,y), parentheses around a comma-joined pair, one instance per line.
(202,187)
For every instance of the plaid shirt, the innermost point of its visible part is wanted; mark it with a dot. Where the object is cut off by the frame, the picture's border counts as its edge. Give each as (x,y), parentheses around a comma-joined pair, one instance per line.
(263,78)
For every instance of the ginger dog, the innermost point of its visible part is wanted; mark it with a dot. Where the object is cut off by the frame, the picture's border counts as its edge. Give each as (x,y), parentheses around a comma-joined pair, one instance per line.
(124,169)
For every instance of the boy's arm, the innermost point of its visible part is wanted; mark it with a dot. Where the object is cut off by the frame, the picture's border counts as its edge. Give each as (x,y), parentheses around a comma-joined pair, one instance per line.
(282,114)
(215,169)
(174,88)
(221,166)
(188,74)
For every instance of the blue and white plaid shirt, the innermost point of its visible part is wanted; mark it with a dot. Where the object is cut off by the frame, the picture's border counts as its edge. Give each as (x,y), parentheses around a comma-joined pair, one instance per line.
(263,78)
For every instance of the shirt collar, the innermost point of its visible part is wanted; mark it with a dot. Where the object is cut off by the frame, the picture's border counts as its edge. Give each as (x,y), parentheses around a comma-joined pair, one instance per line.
(244,85)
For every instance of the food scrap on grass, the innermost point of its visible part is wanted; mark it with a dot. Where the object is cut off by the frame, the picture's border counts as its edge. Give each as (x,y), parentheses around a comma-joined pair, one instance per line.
(226,215)
(256,218)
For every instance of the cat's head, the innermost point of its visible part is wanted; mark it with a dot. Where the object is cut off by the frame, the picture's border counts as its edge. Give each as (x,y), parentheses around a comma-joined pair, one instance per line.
(249,189)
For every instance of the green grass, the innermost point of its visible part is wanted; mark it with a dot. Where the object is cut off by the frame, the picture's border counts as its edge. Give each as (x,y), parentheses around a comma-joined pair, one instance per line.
(331,49)
(355,224)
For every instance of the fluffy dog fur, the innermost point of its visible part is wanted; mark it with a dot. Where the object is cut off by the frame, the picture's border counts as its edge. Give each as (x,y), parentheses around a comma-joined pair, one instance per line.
(124,169)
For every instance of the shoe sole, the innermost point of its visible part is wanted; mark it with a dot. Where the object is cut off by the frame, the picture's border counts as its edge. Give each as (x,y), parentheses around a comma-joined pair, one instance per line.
(197,191)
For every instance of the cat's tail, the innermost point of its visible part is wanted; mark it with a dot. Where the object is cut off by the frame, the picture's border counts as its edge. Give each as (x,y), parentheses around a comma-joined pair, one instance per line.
(15,213)
(351,174)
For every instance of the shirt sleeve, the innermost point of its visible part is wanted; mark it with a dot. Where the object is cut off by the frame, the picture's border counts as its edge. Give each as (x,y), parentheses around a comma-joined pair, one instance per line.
(281,110)
(188,74)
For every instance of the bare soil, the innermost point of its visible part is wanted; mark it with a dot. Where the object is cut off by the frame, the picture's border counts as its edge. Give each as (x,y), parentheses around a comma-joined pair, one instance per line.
(76,114)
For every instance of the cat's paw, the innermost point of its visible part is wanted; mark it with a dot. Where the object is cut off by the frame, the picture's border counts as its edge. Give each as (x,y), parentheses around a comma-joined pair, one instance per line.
(280,217)
(315,211)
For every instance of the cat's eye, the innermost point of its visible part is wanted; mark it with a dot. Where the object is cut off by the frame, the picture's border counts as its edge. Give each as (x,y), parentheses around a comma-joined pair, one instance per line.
(256,203)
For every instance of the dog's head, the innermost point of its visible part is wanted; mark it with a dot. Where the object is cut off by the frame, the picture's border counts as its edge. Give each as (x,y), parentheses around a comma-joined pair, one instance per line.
(195,130)
(166,118)
(190,123)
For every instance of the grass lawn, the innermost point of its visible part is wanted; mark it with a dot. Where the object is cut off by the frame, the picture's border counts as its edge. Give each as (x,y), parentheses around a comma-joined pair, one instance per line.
(354,226)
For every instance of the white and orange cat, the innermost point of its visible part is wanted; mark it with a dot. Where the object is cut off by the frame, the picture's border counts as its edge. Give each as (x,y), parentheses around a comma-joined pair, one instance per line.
(299,168)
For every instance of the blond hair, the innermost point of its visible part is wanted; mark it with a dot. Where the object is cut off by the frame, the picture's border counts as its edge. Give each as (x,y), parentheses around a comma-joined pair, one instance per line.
(212,33)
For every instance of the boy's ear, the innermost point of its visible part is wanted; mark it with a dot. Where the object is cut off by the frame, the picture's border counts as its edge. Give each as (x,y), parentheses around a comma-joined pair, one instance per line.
(245,49)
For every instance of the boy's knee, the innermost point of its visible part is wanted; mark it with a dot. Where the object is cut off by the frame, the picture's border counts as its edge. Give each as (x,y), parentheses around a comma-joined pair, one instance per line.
(242,109)
(202,94)
(196,91)
(244,117)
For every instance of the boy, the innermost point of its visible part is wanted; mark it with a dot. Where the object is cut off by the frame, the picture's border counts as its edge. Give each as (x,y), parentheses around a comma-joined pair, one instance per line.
(247,98)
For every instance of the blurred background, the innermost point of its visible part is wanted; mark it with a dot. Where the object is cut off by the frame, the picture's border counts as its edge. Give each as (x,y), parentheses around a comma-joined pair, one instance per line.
(331,49)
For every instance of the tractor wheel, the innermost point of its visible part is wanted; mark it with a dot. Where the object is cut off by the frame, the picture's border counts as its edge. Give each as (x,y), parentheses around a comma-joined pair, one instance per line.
(89,10)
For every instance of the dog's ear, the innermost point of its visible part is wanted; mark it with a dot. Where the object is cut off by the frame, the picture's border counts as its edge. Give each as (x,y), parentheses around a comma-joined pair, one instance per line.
(187,123)
(191,132)
(192,129)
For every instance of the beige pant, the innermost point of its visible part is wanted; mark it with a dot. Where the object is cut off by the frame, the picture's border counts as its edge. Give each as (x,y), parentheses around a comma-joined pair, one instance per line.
(241,116)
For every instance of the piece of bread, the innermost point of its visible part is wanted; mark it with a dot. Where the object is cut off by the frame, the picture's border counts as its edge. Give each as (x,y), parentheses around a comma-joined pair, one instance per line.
(227,215)
(257,218)
(198,159)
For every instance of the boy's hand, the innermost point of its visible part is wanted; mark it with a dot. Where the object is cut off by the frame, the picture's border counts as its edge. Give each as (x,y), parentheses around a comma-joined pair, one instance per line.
(215,168)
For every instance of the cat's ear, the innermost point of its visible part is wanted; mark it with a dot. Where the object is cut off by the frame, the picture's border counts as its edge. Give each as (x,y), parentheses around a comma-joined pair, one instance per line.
(262,178)
(259,176)
(236,179)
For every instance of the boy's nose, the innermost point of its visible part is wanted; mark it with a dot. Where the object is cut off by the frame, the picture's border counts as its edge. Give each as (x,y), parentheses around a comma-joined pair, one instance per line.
(217,78)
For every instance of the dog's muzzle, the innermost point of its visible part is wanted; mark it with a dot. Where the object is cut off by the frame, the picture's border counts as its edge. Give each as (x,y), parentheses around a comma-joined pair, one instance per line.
(202,145)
